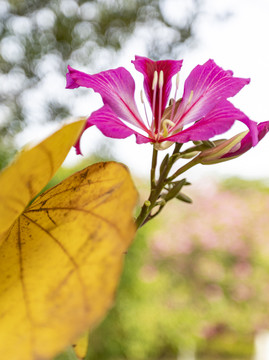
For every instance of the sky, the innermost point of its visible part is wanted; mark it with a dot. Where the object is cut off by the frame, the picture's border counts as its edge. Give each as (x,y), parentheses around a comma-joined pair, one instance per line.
(235,35)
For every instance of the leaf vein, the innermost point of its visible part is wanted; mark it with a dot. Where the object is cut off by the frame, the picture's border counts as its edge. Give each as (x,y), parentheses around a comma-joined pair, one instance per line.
(69,256)
(23,285)
(88,211)
(68,190)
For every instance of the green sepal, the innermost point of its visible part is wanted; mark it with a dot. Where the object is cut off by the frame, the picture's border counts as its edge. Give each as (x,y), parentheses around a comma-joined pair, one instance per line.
(176,187)
(184,198)
(164,163)
(208,143)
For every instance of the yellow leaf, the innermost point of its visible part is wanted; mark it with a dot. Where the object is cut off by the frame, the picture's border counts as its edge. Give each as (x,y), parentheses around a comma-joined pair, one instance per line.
(61,261)
(32,170)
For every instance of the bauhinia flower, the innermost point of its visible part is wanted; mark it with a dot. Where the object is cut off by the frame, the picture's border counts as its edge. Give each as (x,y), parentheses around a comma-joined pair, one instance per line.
(232,148)
(201,113)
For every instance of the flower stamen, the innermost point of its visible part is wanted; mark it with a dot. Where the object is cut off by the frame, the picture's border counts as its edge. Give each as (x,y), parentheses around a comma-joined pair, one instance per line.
(160,99)
(142,101)
(190,98)
(174,102)
(161,79)
(155,80)
(154,88)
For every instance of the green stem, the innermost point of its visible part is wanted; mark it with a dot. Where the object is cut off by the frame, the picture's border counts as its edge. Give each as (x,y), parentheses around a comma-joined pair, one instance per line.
(146,208)
(181,170)
(144,215)
(157,187)
(153,168)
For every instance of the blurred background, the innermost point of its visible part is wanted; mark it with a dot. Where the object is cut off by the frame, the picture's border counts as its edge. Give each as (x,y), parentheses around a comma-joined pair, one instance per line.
(195,284)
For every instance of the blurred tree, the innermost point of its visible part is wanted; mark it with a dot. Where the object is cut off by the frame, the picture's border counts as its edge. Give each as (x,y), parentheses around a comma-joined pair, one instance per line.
(39,37)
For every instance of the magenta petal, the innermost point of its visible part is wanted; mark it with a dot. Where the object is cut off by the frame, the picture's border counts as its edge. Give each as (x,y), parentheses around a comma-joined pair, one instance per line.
(218,121)
(206,85)
(141,139)
(147,67)
(263,129)
(77,144)
(111,126)
(116,88)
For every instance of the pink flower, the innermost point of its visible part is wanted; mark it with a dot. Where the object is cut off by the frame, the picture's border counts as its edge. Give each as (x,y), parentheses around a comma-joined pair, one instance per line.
(204,102)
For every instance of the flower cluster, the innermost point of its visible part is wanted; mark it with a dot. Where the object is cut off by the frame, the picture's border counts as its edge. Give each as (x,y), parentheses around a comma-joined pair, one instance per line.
(201,113)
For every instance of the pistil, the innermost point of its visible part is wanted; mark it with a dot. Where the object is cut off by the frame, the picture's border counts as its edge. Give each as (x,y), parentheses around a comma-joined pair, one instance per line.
(154,88)
(142,101)
(166,123)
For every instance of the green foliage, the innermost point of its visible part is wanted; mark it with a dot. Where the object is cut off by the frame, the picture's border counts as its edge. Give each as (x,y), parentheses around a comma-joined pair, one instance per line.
(236,184)
(67,355)
(6,155)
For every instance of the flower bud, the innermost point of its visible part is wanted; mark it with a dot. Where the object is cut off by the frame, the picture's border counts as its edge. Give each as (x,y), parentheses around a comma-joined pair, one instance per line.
(226,150)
